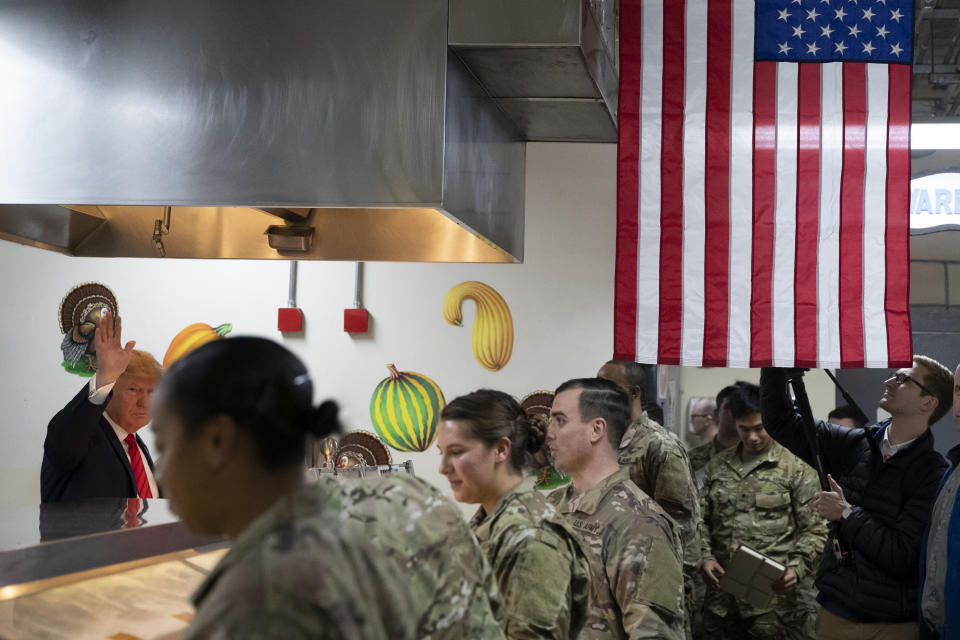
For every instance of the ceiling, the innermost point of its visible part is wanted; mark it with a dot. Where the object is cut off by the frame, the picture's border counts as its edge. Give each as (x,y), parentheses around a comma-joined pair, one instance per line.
(936,60)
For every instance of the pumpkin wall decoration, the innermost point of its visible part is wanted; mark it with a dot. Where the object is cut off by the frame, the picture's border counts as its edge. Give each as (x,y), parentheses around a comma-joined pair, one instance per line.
(192,337)
(405,410)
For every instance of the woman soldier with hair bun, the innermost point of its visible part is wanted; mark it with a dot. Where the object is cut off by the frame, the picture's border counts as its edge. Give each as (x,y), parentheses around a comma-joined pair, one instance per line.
(486,443)
(230,421)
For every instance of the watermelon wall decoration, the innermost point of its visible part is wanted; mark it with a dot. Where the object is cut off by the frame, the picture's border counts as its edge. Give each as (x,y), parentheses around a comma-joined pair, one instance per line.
(405,409)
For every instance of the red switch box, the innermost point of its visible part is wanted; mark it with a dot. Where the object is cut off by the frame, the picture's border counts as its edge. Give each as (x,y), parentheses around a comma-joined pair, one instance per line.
(355,320)
(290,319)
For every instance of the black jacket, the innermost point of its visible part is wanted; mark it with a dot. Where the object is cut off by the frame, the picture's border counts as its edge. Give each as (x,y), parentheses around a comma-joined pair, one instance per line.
(892,504)
(82,456)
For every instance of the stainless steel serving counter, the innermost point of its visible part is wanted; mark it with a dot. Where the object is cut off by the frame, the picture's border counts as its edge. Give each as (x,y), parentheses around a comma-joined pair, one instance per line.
(55,540)
(112,568)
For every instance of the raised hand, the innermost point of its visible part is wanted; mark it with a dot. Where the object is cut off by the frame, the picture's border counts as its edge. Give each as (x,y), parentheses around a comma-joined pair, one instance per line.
(830,504)
(112,359)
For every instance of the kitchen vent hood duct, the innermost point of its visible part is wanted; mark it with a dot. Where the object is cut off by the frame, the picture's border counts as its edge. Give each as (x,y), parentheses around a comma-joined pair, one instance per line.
(188,128)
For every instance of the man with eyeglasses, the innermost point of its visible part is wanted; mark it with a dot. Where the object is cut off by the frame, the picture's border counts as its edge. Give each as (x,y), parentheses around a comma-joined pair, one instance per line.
(884,480)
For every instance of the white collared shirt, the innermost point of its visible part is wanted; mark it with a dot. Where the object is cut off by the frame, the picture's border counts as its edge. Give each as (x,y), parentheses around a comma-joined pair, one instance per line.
(99,396)
(888,449)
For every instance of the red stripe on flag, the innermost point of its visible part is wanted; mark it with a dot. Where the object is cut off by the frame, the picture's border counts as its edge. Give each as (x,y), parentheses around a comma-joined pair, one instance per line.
(851,213)
(899,337)
(671,184)
(808,214)
(628,183)
(764,201)
(717,185)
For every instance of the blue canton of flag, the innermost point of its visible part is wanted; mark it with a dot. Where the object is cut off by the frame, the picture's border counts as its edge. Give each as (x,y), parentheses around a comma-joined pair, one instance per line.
(834,30)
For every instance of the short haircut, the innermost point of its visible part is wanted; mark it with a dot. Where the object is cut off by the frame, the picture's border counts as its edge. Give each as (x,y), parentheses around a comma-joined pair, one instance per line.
(745,402)
(601,398)
(939,380)
(144,365)
(846,411)
(708,402)
(633,372)
(729,390)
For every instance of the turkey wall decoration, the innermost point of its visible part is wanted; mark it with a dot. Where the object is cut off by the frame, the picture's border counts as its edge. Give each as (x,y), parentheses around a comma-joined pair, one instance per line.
(80,313)
(492,339)
(405,409)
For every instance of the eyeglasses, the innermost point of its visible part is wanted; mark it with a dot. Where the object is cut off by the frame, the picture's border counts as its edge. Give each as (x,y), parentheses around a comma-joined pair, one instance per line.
(901,377)
(701,415)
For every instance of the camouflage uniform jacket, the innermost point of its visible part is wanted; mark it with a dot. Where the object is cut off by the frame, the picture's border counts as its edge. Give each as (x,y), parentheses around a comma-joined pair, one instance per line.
(542,572)
(700,456)
(765,505)
(295,573)
(447,574)
(658,464)
(635,568)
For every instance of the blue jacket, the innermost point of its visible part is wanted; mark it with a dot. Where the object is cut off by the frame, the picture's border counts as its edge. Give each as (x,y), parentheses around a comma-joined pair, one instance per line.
(951,587)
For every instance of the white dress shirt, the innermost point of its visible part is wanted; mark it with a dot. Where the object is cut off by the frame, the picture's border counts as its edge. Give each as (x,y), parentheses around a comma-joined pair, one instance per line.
(99,396)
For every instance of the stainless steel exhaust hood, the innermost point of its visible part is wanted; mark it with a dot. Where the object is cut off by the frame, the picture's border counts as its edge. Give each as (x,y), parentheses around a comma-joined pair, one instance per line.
(196,128)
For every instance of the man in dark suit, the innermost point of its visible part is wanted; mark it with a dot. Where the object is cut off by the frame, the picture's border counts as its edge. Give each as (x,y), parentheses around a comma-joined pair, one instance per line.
(91,449)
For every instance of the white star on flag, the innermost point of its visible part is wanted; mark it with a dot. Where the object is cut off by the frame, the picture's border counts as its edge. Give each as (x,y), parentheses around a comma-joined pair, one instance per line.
(798,31)
(813,48)
(812,15)
(783,14)
(868,48)
(826,31)
(868,14)
(784,48)
(855,31)
(882,32)
(896,49)
(841,47)
(840,13)
(896,15)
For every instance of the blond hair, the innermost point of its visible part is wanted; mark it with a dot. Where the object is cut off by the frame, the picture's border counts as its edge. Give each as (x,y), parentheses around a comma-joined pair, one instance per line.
(143,365)
(939,379)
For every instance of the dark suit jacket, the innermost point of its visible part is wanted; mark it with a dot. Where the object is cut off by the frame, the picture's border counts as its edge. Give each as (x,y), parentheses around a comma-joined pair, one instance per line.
(82,456)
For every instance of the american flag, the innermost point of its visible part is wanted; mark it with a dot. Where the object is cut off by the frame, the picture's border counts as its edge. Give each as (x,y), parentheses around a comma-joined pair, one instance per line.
(763,183)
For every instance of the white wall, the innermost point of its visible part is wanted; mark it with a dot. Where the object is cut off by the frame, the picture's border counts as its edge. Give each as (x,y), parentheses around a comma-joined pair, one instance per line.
(561,299)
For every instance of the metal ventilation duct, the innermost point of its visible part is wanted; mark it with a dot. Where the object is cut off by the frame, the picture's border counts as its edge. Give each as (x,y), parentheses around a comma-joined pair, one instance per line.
(234,115)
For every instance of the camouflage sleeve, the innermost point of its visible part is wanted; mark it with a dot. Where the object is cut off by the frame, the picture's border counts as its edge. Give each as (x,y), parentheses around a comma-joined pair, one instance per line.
(676,492)
(811,528)
(703,523)
(535,580)
(647,580)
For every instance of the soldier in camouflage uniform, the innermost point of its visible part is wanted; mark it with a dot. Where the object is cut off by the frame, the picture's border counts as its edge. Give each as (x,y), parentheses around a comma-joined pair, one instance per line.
(635,551)
(657,463)
(230,421)
(725,438)
(541,569)
(758,494)
(486,440)
(296,573)
(447,577)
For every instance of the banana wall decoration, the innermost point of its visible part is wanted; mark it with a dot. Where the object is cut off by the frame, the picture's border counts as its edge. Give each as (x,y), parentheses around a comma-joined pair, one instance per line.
(493,325)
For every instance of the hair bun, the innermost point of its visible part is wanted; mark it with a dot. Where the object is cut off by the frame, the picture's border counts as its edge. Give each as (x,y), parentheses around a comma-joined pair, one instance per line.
(325,419)
(536,426)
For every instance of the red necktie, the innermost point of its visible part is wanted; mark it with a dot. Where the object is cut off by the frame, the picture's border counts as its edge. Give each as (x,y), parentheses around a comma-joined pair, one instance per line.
(139,473)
